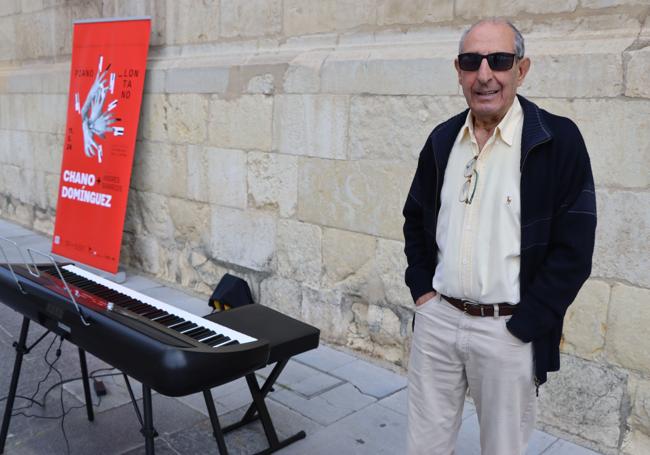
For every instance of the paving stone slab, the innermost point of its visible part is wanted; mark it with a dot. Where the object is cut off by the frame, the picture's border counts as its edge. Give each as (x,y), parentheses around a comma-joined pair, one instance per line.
(99,437)
(373,430)
(325,358)
(314,385)
(370,379)
(396,402)
(293,373)
(316,408)
(562,447)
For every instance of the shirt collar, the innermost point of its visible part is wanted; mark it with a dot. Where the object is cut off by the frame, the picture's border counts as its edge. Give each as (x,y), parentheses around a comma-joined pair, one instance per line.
(506,127)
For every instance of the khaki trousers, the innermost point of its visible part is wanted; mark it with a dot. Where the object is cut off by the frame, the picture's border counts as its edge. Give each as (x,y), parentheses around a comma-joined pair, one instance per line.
(453,351)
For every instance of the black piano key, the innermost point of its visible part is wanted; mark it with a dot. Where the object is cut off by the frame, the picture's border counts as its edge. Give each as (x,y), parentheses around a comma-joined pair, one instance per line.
(209,333)
(196,331)
(184,326)
(170,320)
(140,308)
(200,335)
(225,341)
(165,318)
(150,311)
(156,314)
(216,339)
(231,342)
(163,314)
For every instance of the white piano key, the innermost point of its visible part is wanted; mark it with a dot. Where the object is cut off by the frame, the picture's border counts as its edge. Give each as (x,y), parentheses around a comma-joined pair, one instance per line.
(232,334)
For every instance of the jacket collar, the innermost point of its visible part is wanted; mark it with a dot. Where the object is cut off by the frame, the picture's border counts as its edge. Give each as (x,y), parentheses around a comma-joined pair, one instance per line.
(534,132)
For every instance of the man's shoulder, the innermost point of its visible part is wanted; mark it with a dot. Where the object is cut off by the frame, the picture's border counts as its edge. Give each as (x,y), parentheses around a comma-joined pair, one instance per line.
(558,126)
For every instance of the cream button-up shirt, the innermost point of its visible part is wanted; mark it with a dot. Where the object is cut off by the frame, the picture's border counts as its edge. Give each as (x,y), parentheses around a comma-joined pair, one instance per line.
(479,243)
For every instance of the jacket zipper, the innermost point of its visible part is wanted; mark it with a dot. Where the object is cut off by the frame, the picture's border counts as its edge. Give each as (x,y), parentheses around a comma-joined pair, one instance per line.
(536,380)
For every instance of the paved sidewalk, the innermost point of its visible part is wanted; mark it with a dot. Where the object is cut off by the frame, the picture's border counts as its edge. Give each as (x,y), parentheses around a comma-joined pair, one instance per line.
(345,404)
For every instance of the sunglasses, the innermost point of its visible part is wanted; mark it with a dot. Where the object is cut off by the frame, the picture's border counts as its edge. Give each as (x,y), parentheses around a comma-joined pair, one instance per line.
(498,61)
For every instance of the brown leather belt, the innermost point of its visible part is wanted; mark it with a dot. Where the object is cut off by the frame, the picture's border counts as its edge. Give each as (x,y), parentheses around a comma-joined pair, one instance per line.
(475,309)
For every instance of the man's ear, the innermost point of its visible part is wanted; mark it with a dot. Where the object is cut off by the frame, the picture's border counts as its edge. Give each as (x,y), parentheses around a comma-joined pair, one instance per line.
(522,70)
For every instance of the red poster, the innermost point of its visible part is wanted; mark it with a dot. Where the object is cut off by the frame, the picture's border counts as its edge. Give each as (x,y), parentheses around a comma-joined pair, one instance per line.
(106,82)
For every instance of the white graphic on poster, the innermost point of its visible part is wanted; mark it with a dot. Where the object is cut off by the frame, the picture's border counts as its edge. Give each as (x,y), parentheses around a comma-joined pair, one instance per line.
(96,120)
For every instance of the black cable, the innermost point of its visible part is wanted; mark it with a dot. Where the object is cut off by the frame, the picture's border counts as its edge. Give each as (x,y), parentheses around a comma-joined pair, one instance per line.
(38,386)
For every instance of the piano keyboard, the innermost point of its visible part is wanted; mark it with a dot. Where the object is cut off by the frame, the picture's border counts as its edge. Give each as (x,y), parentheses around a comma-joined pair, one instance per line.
(126,300)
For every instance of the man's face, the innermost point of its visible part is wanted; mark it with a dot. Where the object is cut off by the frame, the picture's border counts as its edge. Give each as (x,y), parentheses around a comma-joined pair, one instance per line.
(490,93)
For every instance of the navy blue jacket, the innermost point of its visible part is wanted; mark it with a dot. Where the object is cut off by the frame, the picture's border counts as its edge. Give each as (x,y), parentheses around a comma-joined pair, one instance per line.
(558,223)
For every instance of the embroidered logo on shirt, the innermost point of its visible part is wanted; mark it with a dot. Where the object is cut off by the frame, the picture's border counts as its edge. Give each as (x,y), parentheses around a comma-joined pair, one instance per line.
(508,200)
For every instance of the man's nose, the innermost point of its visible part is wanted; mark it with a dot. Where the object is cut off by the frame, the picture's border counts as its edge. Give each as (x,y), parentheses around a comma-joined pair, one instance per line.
(484,71)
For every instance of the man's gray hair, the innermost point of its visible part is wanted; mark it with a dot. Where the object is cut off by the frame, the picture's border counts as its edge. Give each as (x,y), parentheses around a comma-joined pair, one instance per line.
(519,39)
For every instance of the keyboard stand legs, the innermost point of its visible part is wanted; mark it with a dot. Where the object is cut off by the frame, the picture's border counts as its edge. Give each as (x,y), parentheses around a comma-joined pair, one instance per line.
(214,420)
(147,429)
(21,348)
(84,380)
(258,410)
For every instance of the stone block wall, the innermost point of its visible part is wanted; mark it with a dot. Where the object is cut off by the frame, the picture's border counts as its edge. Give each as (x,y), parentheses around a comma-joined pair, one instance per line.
(278,139)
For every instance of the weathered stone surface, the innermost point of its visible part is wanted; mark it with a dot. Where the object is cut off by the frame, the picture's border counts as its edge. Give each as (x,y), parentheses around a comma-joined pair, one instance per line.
(575,68)
(7,38)
(622,249)
(9,7)
(149,216)
(153,117)
(186,118)
(50,79)
(141,252)
(160,168)
(208,79)
(328,311)
(627,122)
(396,127)
(638,440)
(299,251)
(192,22)
(243,123)
(637,77)
(191,221)
(273,182)
(250,17)
(34,34)
(508,8)
(609,3)
(355,196)
(263,84)
(311,125)
(430,71)
(585,323)
(303,74)
(583,400)
(636,443)
(391,264)
(376,331)
(629,318)
(66,13)
(282,294)
(313,16)
(226,177)
(345,253)
(391,12)
(156,9)
(243,238)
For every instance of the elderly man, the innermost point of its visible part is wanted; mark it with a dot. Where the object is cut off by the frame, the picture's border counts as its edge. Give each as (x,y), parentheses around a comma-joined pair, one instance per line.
(499,229)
